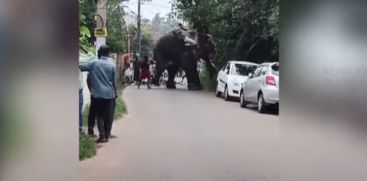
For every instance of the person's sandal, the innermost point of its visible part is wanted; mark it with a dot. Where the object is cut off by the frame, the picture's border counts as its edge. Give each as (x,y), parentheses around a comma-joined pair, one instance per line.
(102,140)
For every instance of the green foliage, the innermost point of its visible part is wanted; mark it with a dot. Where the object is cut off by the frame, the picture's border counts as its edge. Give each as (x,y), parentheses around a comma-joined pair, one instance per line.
(147,42)
(85,114)
(242,29)
(116,27)
(87,10)
(87,147)
(162,25)
(209,82)
(84,32)
(146,37)
(120,108)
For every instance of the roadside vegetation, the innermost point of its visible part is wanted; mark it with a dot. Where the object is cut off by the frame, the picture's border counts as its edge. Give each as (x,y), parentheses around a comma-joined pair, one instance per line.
(120,108)
(87,146)
(208,82)
(242,30)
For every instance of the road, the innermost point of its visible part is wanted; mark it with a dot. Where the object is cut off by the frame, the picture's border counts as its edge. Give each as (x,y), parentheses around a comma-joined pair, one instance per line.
(180,135)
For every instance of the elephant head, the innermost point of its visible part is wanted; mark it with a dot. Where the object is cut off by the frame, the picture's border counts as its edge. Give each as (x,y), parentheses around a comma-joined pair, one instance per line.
(207,51)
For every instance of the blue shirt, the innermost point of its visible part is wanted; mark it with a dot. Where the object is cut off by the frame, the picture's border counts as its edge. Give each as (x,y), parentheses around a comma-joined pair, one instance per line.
(102,76)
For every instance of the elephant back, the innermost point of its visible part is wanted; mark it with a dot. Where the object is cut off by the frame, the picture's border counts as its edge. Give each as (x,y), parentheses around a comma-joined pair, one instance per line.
(169,46)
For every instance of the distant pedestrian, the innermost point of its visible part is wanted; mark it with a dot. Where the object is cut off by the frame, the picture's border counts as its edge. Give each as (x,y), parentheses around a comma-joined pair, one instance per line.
(145,72)
(136,66)
(103,90)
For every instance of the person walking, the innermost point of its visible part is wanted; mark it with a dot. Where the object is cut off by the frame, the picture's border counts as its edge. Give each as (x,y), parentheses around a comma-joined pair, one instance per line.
(136,66)
(144,72)
(103,90)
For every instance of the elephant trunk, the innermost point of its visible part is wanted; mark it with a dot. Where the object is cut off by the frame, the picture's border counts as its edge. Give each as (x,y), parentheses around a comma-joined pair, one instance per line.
(211,68)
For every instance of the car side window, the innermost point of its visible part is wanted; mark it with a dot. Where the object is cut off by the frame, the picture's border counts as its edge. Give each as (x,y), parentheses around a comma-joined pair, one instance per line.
(227,69)
(257,72)
(264,70)
(224,67)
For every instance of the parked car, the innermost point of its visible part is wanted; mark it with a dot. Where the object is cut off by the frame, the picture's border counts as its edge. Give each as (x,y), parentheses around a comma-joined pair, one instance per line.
(231,77)
(262,87)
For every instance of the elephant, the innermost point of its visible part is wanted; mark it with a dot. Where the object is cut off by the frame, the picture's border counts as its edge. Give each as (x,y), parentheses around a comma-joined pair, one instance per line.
(172,53)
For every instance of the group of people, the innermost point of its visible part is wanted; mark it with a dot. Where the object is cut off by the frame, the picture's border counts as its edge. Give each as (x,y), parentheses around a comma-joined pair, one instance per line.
(140,70)
(101,82)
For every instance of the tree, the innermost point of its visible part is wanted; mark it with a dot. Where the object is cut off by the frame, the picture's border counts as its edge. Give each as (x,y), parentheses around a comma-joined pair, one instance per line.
(162,25)
(242,29)
(116,27)
(146,37)
(87,10)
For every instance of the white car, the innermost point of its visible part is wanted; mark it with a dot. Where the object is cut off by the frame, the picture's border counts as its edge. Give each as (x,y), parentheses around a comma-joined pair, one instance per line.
(262,87)
(231,77)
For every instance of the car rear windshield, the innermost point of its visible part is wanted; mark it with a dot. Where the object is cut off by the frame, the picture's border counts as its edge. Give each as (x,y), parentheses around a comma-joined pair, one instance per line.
(243,69)
(275,69)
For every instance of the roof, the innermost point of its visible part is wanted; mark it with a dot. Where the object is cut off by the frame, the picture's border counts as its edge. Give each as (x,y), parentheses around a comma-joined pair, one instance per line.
(242,62)
(268,63)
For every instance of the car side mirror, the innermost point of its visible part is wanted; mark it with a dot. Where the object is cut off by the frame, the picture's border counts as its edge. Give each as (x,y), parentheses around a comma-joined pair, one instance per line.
(250,75)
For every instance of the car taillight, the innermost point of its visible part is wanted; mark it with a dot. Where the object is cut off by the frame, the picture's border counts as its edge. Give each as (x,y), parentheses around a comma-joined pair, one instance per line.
(270,80)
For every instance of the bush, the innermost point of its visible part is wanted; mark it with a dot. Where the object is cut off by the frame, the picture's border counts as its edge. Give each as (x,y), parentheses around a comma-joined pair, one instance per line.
(85,115)
(120,108)
(208,82)
(87,146)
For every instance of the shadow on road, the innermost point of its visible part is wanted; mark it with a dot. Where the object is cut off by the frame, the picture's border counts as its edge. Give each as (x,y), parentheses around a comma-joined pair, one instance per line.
(270,111)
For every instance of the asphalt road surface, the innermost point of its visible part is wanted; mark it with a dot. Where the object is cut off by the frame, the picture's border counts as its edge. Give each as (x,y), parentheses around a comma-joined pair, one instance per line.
(181,135)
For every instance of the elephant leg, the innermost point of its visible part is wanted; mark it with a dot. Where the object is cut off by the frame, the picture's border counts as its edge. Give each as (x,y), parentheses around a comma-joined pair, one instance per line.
(172,71)
(194,83)
(193,80)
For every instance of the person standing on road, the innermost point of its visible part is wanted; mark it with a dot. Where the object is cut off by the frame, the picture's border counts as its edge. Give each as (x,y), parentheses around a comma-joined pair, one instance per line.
(144,72)
(84,57)
(92,111)
(136,66)
(103,90)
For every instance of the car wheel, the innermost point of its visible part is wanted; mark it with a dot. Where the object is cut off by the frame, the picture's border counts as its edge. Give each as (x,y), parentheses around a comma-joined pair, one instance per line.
(261,104)
(218,93)
(226,95)
(243,101)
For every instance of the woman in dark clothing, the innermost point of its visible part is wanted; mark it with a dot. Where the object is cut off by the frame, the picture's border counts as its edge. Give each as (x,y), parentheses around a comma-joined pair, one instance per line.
(144,71)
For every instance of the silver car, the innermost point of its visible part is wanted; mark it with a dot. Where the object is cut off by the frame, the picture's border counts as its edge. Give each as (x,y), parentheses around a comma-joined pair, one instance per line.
(262,87)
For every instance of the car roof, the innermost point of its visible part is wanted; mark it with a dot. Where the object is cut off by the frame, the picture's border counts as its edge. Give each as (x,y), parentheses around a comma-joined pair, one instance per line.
(268,63)
(242,62)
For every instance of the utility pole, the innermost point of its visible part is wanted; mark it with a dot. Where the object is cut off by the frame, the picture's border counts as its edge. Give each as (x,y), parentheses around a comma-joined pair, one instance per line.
(101,17)
(139,28)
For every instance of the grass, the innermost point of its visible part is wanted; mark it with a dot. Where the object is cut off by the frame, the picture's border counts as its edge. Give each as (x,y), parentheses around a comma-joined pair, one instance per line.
(87,146)
(120,108)
(85,115)
(209,83)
